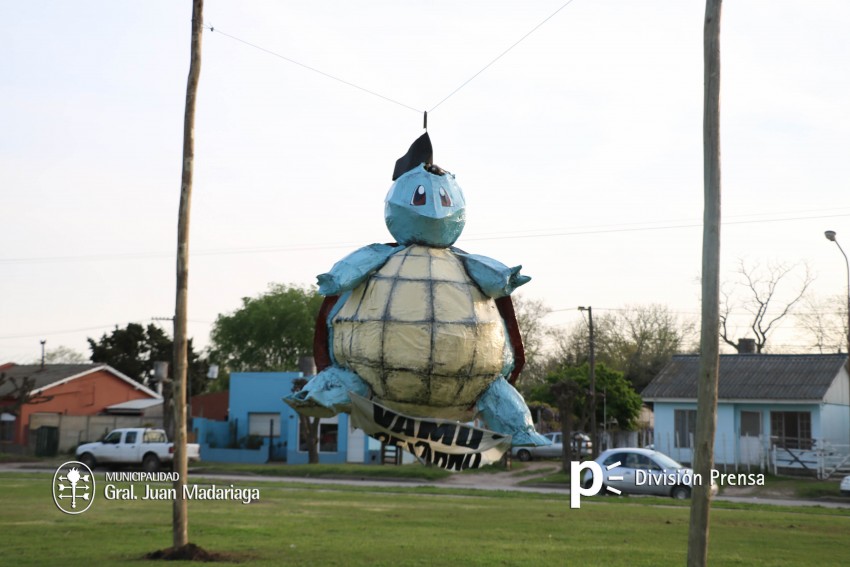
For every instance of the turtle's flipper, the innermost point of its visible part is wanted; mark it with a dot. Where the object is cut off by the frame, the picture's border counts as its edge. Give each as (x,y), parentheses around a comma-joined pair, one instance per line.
(326,394)
(504,410)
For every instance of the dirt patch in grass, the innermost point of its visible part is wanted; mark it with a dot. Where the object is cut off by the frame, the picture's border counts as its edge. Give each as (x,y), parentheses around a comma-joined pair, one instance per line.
(192,552)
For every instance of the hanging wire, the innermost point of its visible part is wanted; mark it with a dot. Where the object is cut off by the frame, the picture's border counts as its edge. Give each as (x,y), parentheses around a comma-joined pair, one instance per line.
(329,76)
(502,54)
(386,98)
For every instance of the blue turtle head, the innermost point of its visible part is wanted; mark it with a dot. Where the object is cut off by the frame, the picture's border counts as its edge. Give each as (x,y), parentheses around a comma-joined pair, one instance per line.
(425,205)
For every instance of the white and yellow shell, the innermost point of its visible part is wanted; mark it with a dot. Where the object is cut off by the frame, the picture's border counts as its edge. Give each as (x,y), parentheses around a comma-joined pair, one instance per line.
(422,335)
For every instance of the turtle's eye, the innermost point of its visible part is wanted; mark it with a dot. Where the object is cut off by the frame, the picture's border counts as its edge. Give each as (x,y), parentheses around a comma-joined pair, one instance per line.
(445,200)
(418,197)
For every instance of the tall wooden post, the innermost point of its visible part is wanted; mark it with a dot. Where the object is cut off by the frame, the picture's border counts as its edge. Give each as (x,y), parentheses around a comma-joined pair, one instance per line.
(180,516)
(709,364)
(594,430)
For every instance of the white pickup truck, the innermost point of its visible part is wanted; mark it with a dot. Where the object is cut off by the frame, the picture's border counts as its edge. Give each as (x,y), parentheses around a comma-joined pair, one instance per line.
(133,446)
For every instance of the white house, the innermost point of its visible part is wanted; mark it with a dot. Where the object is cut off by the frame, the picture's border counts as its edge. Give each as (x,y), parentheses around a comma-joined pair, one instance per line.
(785,410)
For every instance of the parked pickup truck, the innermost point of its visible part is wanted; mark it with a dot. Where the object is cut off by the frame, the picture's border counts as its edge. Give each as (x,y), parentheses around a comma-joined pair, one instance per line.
(133,446)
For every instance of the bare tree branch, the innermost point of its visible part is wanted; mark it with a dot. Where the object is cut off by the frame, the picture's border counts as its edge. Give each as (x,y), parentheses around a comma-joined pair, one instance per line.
(21,394)
(765,296)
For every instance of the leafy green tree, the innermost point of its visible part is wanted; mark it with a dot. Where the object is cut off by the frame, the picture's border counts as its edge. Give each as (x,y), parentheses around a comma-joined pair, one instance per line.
(568,388)
(134,349)
(269,332)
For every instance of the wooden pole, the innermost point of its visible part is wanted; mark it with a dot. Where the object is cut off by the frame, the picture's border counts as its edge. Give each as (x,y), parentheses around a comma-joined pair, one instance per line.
(180,516)
(709,364)
(594,452)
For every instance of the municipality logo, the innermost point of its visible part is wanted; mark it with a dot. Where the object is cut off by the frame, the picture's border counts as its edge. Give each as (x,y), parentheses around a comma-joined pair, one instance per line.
(73,487)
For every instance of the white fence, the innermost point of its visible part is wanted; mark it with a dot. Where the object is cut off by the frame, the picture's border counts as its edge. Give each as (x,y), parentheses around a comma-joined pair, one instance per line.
(823,460)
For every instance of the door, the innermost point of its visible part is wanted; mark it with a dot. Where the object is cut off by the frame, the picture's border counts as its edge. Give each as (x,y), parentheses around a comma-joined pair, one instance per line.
(128,451)
(749,444)
(110,448)
(356,445)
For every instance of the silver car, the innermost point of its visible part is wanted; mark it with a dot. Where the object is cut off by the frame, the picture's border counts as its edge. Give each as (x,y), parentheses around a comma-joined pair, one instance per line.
(581,442)
(643,471)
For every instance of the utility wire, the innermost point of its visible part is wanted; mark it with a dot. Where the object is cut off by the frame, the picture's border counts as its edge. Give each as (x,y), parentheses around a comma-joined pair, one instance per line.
(338,245)
(328,75)
(502,54)
(212,29)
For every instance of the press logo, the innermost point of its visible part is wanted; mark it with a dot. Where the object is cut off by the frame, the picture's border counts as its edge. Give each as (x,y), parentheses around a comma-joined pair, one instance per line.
(579,488)
(73,487)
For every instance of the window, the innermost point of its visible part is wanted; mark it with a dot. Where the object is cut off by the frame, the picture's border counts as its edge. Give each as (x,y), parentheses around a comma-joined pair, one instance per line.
(616,458)
(130,437)
(328,436)
(7,427)
(644,463)
(686,425)
(791,429)
(113,438)
(154,436)
(259,423)
(750,424)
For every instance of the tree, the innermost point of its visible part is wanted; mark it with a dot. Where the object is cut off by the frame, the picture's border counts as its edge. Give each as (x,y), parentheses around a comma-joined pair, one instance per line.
(134,349)
(568,388)
(768,294)
(637,340)
(62,355)
(309,427)
(531,314)
(18,392)
(565,390)
(825,318)
(643,339)
(269,332)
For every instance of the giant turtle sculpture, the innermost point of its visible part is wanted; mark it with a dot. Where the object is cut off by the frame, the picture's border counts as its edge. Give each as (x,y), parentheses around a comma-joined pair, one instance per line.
(420,326)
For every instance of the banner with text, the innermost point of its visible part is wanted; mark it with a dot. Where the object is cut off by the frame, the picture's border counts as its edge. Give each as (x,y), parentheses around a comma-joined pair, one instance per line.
(444,443)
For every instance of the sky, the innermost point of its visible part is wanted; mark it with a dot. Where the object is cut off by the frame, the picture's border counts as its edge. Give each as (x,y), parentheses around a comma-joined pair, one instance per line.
(578,147)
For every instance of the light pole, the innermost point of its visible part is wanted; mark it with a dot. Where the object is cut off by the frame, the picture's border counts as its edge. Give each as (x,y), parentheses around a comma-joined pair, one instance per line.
(594,449)
(830,235)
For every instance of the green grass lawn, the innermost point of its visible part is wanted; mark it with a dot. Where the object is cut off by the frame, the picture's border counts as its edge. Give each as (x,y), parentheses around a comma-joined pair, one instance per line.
(298,525)
(410,472)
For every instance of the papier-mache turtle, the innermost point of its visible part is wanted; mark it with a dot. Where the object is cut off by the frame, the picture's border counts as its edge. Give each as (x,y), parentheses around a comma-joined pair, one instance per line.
(420,326)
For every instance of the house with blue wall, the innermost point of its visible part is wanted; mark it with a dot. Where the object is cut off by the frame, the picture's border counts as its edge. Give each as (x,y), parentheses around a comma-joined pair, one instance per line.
(791,407)
(260,427)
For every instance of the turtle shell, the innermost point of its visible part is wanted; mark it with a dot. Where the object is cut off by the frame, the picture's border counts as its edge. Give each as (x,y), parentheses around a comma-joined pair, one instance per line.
(422,334)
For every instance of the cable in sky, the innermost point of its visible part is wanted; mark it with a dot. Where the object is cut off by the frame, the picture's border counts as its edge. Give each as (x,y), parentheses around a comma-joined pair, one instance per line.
(502,54)
(343,81)
(386,98)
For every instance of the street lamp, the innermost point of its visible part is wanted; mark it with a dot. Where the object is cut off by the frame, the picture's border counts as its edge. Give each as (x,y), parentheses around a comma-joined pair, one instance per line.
(830,235)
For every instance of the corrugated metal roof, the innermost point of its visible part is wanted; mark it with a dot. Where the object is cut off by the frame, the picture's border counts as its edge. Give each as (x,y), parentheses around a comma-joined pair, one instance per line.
(42,376)
(751,377)
(141,404)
